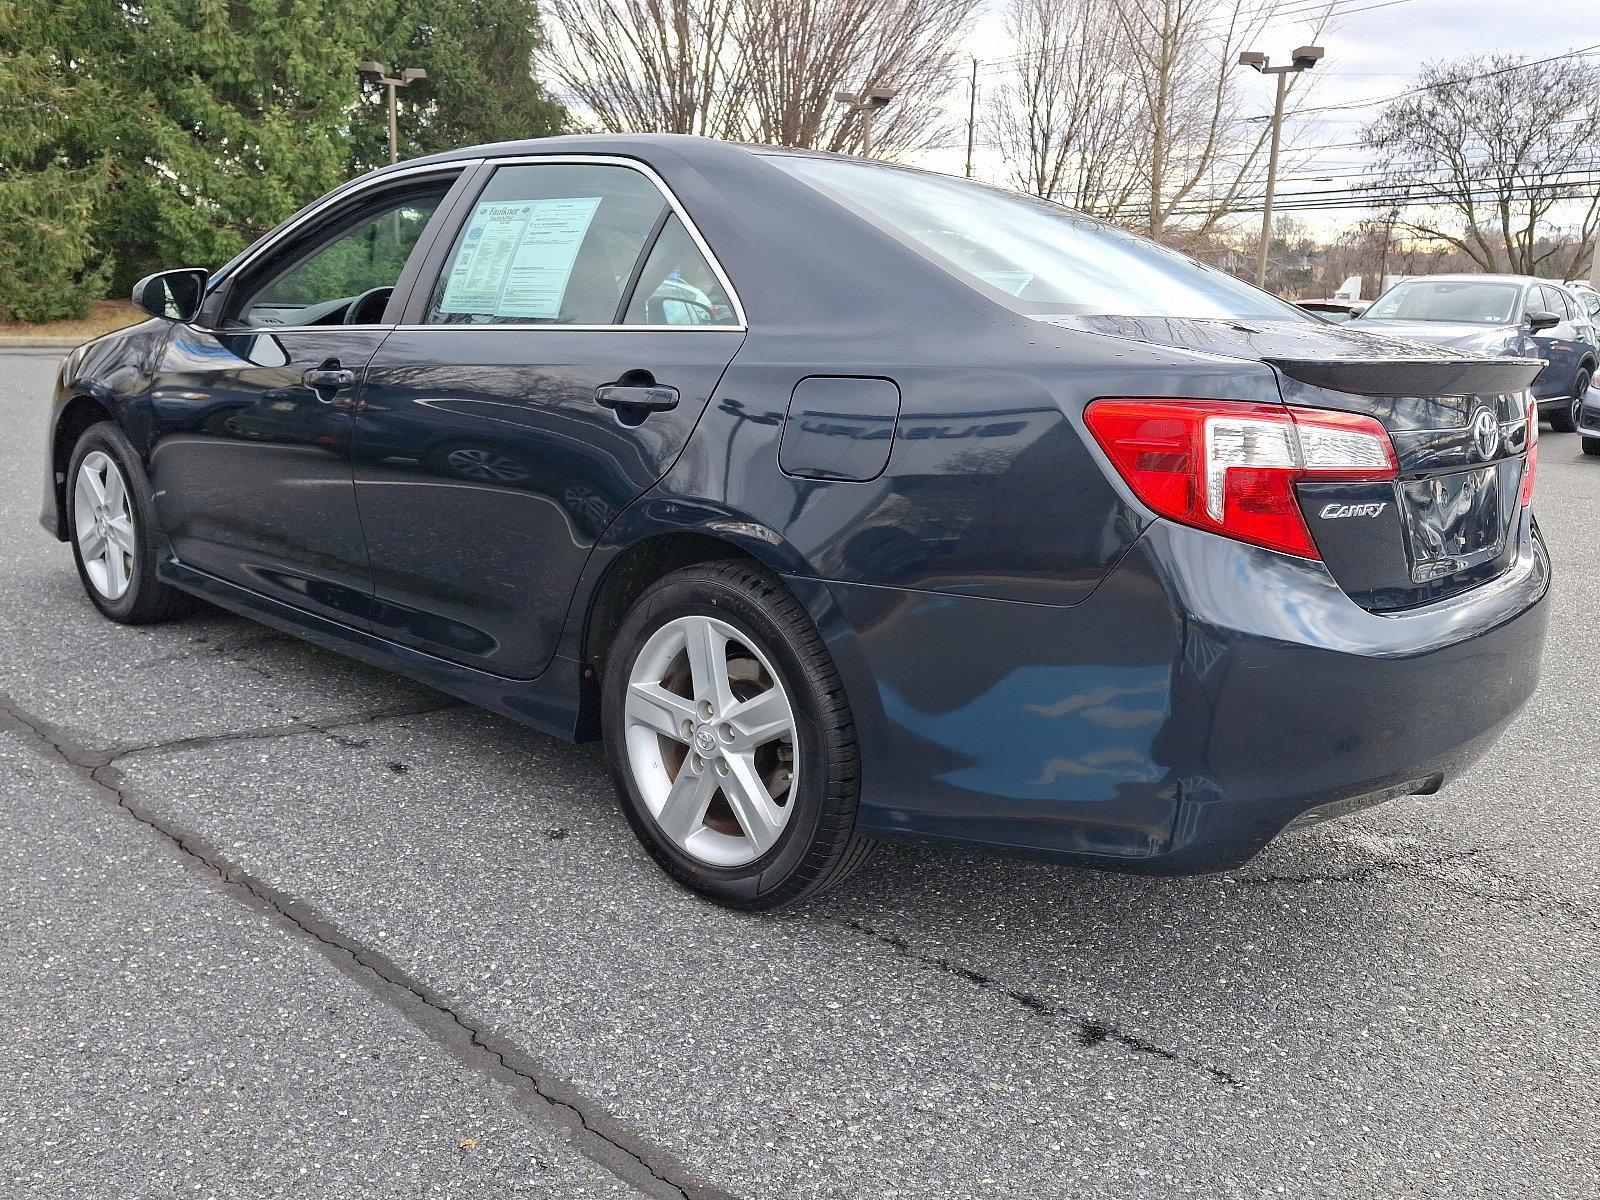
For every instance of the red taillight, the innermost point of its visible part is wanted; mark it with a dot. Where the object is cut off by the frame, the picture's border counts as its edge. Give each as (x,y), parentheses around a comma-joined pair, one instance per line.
(1531,466)
(1230,467)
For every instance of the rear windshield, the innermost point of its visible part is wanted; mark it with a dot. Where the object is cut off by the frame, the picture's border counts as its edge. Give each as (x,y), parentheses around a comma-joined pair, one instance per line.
(1463,300)
(1043,259)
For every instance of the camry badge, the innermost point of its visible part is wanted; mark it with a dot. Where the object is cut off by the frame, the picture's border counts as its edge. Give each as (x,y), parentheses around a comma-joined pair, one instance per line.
(1331,512)
(1485,433)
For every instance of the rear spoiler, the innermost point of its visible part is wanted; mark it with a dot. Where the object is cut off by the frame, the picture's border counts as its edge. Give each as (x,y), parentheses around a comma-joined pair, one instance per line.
(1421,377)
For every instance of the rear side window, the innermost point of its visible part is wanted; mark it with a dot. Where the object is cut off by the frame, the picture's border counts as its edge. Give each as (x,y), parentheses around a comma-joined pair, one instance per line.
(548,243)
(1037,257)
(678,286)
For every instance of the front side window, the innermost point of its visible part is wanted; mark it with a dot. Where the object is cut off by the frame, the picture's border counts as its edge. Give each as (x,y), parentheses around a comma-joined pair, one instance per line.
(548,243)
(678,286)
(1043,259)
(1467,301)
(355,265)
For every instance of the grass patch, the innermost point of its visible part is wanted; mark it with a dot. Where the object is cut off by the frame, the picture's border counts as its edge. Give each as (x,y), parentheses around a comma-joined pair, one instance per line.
(104,316)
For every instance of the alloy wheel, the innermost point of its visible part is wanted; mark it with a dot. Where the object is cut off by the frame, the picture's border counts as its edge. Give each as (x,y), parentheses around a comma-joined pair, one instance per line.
(1578,394)
(710,737)
(103,520)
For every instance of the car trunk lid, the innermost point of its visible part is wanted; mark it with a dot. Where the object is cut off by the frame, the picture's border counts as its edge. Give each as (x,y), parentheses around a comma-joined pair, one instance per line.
(1460,429)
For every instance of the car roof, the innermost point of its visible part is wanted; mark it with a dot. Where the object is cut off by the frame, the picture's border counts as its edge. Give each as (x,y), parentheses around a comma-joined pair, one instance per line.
(1480,277)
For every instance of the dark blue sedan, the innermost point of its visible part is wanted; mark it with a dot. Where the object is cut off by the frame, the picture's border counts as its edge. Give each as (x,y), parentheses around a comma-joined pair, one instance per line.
(1514,315)
(846,502)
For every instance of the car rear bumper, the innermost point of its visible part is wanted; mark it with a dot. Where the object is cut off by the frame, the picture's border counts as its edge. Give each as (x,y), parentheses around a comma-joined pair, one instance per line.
(1207,695)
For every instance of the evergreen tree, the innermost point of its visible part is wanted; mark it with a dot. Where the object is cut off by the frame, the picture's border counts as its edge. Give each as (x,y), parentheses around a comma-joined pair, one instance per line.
(158,133)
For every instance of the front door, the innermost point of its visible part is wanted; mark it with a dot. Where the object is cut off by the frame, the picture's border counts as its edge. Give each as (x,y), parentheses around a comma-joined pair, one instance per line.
(253,411)
(550,372)
(1560,346)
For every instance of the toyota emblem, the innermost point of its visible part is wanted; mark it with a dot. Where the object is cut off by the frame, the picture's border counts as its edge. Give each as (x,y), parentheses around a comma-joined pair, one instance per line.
(1485,433)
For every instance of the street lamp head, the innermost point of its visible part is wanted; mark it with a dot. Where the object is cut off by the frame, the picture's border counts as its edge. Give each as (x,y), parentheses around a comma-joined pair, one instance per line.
(844,97)
(412,74)
(372,67)
(1306,57)
(1252,58)
(878,97)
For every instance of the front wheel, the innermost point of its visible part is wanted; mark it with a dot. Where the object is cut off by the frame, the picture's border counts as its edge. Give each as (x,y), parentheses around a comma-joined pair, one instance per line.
(111,519)
(730,739)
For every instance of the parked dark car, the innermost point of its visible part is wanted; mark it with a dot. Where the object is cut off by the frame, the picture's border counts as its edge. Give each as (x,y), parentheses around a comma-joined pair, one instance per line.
(1336,311)
(845,501)
(1514,315)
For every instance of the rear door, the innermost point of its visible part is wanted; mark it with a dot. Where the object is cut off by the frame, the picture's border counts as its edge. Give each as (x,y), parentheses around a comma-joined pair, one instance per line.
(560,345)
(252,406)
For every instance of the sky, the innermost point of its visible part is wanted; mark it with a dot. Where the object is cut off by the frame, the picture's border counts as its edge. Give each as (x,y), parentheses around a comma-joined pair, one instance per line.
(1369,54)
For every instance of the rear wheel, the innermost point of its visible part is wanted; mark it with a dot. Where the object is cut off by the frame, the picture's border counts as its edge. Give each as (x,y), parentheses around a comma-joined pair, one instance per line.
(1565,419)
(730,740)
(111,520)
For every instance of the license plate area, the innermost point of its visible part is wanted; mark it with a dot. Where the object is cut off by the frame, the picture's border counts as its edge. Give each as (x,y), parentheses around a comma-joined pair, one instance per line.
(1458,521)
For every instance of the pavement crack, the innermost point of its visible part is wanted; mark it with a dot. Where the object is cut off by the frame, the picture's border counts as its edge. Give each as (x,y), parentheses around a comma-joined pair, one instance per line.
(330,727)
(533,1088)
(1089,1032)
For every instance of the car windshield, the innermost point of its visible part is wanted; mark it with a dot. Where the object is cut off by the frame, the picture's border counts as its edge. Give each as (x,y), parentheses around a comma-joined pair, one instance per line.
(1469,301)
(1044,259)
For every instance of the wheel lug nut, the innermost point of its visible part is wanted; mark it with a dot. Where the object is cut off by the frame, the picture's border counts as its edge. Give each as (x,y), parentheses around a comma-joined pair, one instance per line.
(706,711)
(726,732)
(722,766)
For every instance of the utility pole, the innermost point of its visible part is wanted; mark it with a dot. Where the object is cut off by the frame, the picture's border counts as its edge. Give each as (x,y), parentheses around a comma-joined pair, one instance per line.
(1303,59)
(972,113)
(378,73)
(865,103)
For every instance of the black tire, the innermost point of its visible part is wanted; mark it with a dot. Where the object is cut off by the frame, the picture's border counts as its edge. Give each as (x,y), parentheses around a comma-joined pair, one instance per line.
(1565,418)
(819,845)
(147,600)
(1591,447)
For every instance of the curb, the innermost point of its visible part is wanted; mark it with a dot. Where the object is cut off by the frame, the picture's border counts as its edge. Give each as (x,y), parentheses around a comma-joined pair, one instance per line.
(24,341)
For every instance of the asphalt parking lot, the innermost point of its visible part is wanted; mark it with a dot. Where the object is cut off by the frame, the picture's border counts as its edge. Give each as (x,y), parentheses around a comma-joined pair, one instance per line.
(275,924)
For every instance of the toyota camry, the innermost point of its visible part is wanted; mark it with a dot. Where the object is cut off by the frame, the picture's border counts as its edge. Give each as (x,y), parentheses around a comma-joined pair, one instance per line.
(846,502)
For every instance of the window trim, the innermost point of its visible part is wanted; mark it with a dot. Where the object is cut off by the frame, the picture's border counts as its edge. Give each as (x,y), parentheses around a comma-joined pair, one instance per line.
(461,169)
(425,284)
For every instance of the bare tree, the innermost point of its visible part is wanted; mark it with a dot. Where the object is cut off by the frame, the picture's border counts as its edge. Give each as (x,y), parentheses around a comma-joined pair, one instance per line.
(797,53)
(1198,154)
(659,66)
(764,70)
(1494,151)
(1063,123)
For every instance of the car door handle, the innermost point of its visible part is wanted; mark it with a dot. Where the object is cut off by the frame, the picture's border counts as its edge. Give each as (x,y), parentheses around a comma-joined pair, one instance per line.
(327,378)
(651,398)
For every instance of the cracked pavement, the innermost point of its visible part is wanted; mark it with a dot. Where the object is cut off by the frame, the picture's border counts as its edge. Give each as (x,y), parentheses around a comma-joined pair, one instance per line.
(275,924)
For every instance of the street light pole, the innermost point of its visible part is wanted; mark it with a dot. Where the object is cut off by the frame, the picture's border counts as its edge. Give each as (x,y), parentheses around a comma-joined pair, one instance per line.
(865,103)
(378,73)
(972,113)
(1303,59)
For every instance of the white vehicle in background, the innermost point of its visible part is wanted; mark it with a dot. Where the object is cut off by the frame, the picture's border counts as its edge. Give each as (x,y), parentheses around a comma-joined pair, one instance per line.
(1587,296)
(1350,289)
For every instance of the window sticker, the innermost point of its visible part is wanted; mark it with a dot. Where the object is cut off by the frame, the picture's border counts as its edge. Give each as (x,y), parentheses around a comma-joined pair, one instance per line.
(516,257)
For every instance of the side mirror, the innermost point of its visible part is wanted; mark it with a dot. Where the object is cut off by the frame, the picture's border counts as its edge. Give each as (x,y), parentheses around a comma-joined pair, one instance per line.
(1542,318)
(175,295)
